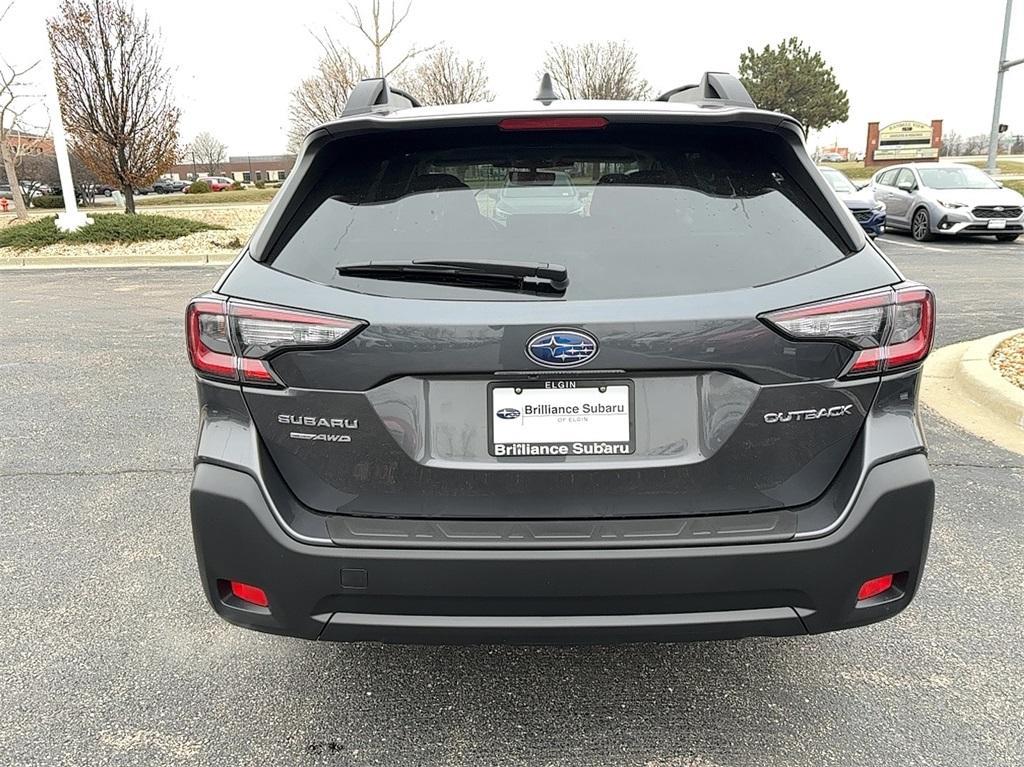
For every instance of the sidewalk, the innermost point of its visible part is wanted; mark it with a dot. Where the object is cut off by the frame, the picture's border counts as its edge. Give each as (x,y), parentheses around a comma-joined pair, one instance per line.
(114,261)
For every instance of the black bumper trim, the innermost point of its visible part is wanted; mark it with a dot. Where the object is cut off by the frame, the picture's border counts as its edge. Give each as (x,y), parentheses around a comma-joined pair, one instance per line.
(559,629)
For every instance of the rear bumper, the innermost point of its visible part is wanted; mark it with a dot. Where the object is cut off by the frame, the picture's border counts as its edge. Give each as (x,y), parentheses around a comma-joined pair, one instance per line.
(572,595)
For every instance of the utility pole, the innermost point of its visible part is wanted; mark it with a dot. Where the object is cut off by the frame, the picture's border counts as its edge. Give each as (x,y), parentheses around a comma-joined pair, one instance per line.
(993,138)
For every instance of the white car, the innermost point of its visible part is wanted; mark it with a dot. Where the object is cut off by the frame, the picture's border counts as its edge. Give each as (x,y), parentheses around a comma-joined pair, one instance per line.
(929,199)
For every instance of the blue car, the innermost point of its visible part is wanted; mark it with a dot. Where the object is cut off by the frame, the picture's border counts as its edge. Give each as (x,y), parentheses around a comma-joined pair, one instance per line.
(869,212)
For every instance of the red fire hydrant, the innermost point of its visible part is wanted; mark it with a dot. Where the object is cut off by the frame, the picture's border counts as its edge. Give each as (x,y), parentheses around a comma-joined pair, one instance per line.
(3,204)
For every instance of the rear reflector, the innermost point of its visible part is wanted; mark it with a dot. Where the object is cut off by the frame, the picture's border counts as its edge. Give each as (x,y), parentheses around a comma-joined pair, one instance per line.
(875,586)
(552,123)
(889,329)
(232,340)
(251,594)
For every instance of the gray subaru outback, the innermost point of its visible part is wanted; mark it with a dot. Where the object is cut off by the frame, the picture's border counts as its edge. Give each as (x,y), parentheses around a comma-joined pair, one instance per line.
(682,407)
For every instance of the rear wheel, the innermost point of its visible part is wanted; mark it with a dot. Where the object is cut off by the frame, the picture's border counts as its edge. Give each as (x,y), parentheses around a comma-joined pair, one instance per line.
(1007,237)
(921,226)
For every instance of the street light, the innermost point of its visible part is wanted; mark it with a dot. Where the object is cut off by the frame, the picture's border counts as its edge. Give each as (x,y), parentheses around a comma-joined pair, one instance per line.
(993,138)
(71,219)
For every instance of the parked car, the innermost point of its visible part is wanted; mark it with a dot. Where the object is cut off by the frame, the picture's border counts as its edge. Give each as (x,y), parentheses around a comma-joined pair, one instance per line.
(948,199)
(537,192)
(167,185)
(832,157)
(689,412)
(144,190)
(216,183)
(869,212)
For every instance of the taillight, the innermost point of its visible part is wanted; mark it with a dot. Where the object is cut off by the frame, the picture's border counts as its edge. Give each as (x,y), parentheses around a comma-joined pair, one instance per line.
(232,340)
(889,329)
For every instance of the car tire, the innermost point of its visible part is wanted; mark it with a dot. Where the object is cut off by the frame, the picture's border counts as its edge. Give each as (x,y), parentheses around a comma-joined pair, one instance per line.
(1007,237)
(921,226)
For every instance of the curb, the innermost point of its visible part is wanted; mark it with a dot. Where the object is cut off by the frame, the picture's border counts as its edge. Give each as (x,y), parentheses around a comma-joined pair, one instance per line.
(93,262)
(986,385)
(960,384)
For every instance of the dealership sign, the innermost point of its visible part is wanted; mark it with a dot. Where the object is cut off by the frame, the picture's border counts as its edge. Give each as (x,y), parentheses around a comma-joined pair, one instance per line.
(906,140)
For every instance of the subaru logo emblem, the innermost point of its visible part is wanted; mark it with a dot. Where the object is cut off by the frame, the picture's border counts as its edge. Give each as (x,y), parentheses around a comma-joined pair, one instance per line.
(508,413)
(561,348)
(998,208)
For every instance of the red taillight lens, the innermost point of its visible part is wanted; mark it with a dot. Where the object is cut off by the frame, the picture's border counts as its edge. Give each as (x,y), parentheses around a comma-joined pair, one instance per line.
(254,595)
(209,345)
(890,329)
(875,586)
(231,340)
(552,123)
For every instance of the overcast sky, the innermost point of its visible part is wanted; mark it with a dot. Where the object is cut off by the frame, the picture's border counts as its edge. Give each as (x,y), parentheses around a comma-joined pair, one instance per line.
(236,61)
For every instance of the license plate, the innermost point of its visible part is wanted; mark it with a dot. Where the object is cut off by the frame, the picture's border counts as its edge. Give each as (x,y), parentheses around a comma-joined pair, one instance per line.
(997,223)
(561,418)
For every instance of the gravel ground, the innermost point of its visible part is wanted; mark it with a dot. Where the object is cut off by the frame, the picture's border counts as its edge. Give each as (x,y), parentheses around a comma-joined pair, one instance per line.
(1008,359)
(238,223)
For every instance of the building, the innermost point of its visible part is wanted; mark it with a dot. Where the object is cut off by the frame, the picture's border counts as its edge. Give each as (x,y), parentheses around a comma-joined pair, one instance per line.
(248,169)
(28,143)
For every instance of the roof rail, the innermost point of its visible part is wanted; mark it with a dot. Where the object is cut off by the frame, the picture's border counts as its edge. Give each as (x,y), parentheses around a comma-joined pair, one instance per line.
(714,87)
(374,95)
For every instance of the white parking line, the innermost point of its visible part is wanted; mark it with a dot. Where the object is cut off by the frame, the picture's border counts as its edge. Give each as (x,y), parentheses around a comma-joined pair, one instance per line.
(915,245)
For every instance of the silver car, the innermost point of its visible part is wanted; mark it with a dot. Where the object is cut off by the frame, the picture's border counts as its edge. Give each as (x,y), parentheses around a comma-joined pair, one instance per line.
(930,199)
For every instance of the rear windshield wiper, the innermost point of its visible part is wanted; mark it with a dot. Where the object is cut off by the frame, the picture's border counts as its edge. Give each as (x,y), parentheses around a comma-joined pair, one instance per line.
(516,276)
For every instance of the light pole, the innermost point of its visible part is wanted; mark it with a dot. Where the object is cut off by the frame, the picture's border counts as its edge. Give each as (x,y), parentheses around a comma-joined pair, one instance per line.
(993,138)
(71,219)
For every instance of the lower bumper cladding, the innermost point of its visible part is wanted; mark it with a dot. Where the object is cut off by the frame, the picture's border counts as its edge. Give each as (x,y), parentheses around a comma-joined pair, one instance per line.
(573,595)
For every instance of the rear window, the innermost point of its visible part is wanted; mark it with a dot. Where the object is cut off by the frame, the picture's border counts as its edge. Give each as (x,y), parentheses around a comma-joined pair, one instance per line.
(629,211)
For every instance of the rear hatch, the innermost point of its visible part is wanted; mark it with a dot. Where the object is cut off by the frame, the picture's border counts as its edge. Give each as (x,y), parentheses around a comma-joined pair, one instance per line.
(649,385)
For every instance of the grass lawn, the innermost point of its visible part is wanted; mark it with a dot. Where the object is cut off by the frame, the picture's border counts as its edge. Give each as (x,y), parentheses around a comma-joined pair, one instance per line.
(1014,167)
(107,228)
(853,169)
(211,198)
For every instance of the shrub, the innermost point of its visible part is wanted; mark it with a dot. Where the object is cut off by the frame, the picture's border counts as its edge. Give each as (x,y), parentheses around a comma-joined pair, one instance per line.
(48,201)
(199,187)
(260,185)
(236,186)
(106,228)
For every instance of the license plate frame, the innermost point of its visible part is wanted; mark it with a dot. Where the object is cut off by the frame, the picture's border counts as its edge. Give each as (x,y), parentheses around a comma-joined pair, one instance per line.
(997,223)
(557,390)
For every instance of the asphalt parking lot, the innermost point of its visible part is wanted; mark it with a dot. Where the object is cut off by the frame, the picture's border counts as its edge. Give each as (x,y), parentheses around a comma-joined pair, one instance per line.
(111,656)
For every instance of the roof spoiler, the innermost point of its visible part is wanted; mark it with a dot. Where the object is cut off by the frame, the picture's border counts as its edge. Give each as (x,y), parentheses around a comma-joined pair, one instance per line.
(714,88)
(374,95)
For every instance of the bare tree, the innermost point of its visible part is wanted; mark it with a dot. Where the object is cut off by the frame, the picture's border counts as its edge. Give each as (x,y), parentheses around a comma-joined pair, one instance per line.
(40,170)
(15,142)
(209,151)
(321,97)
(115,92)
(596,70)
(378,28)
(952,144)
(443,78)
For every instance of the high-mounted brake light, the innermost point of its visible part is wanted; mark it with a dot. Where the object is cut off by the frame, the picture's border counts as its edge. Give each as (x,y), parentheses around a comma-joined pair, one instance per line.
(552,123)
(232,340)
(889,329)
